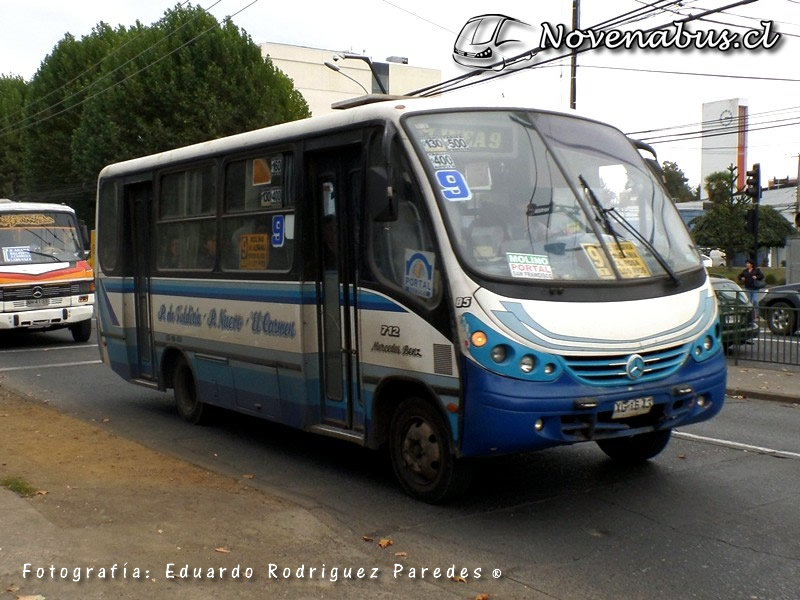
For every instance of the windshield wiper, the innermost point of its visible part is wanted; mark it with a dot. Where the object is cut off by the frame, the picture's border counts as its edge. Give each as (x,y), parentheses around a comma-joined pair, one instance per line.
(644,241)
(601,214)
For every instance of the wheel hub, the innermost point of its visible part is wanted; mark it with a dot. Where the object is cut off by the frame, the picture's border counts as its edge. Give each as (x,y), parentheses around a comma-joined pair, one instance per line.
(421,451)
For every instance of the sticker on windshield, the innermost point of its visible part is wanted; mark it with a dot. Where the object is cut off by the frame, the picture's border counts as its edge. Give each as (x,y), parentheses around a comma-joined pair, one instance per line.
(627,259)
(529,266)
(441,160)
(17,254)
(453,185)
(418,278)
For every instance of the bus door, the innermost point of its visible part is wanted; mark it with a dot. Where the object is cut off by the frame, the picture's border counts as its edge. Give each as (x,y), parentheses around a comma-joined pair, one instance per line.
(336,185)
(138,200)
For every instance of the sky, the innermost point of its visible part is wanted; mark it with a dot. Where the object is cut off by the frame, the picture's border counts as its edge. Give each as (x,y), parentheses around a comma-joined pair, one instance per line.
(613,85)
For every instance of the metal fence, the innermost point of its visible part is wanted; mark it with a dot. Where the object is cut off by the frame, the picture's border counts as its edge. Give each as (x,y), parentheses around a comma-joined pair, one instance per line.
(766,336)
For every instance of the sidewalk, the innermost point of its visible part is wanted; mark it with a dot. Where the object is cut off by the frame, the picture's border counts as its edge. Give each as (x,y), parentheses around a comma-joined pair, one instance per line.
(760,382)
(109,518)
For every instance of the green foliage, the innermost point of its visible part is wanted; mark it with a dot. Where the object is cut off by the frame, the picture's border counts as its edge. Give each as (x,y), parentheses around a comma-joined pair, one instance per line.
(676,183)
(18,485)
(770,279)
(773,228)
(12,104)
(723,226)
(126,92)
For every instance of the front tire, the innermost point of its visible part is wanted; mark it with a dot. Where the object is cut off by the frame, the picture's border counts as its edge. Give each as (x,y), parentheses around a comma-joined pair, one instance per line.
(81,331)
(421,454)
(637,448)
(189,407)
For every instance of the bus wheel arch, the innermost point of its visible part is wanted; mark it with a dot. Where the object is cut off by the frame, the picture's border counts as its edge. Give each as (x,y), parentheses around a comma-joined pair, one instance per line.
(184,383)
(420,443)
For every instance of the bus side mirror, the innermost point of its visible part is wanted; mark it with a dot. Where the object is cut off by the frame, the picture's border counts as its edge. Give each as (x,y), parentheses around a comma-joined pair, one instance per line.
(87,242)
(380,191)
(652,160)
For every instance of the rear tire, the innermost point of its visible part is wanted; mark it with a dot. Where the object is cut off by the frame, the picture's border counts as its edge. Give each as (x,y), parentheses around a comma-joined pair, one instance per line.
(637,448)
(189,407)
(781,318)
(81,331)
(421,453)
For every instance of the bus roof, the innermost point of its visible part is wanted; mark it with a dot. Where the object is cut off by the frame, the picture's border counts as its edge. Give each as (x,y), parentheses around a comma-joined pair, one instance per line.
(7,205)
(390,109)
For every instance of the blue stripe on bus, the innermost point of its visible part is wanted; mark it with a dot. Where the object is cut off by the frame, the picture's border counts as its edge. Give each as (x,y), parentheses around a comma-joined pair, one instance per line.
(250,291)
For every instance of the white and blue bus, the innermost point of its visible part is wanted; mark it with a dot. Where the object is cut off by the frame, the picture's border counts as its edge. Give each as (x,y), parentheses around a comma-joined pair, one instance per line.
(448,281)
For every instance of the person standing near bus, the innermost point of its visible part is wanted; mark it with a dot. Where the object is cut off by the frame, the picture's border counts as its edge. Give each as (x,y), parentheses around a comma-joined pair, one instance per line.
(753,280)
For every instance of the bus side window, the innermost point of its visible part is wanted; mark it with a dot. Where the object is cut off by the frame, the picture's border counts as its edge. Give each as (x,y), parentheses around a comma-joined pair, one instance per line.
(402,251)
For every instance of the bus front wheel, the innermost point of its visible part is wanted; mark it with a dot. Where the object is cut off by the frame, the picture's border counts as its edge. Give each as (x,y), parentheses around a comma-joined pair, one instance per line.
(637,448)
(81,331)
(422,458)
(189,407)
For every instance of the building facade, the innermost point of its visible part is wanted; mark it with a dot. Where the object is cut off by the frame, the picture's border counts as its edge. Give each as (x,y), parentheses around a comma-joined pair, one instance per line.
(724,138)
(321,86)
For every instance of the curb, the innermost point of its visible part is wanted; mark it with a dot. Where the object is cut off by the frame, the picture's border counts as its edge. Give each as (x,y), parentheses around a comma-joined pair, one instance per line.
(760,395)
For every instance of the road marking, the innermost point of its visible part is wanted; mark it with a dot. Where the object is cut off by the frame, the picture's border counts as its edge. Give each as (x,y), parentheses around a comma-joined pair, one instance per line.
(737,445)
(69,364)
(50,348)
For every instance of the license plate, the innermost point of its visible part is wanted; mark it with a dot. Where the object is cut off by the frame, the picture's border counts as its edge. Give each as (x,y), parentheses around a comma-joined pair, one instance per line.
(632,408)
(38,302)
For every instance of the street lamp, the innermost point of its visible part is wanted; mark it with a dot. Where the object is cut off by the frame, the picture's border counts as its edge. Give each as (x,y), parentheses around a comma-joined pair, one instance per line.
(366,59)
(334,67)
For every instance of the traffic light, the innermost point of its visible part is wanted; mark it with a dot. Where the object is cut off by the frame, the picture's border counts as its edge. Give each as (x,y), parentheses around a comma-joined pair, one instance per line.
(753,183)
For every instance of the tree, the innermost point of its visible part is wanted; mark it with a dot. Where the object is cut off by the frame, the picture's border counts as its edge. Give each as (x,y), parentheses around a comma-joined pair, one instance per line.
(12,103)
(773,228)
(126,92)
(676,183)
(724,225)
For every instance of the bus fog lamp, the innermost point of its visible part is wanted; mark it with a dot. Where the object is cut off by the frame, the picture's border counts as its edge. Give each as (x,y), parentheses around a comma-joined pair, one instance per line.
(499,353)
(478,339)
(708,343)
(698,350)
(527,363)
(539,425)
(549,369)
(701,401)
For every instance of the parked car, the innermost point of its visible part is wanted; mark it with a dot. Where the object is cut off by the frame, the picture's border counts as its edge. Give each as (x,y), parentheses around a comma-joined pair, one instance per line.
(707,262)
(736,313)
(779,307)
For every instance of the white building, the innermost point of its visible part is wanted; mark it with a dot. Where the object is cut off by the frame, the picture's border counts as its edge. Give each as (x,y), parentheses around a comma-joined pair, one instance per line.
(322,86)
(724,138)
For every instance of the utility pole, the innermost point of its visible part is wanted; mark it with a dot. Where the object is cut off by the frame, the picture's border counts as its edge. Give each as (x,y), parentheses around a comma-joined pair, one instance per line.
(573,79)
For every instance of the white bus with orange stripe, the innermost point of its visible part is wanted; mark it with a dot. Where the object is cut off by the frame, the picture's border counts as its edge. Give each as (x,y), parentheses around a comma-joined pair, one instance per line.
(45,280)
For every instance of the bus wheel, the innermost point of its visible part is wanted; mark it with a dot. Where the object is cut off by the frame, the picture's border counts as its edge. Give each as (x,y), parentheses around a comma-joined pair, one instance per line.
(81,331)
(189,407)
(637,448)
(423,462)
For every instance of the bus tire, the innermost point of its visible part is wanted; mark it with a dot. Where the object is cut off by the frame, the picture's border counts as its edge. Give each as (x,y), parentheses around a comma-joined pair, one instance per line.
(637,448)
(189,407)
(421,454)
(81,331)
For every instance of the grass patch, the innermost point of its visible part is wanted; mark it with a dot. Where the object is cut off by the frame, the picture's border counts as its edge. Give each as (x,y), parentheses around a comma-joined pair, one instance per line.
(18,485)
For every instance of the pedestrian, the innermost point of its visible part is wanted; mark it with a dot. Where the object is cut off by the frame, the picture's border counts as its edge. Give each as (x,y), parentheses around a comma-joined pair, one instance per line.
(753,280)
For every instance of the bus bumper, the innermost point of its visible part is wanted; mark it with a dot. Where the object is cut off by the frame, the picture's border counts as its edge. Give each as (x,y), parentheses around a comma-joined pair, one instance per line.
(503,415)
(45,318)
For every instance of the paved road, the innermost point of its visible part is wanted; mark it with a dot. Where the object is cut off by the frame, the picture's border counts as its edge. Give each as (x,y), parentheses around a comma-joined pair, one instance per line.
(715,516)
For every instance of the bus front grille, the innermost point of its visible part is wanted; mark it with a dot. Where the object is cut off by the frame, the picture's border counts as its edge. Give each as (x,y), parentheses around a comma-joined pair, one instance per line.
(613,370)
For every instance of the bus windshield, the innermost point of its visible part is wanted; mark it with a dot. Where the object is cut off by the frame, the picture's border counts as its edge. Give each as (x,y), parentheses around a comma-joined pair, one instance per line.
(38,237)
(529,195)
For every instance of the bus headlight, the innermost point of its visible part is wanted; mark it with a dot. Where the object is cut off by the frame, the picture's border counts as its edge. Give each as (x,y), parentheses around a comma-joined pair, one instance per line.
(499,353)
(708,343)
(527,363)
